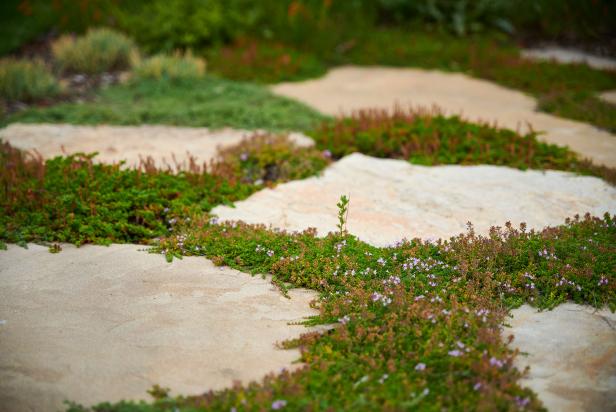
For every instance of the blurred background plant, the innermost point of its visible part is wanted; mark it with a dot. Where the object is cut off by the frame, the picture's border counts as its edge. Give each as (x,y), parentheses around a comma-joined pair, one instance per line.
(99,50)
(25,80)
(177,66)
(286,40)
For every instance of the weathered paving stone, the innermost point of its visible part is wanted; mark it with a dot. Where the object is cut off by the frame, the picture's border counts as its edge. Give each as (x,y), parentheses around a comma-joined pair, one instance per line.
(571,351)
(129,143)
(566,56)
(392,199)
(345,89)
(106,323)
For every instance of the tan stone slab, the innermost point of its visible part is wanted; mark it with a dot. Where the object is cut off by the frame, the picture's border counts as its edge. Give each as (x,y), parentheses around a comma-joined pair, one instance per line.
(106,323)
(130,143)
(568,55)
(572,354)
(349,88)
(609,96)
(392,199)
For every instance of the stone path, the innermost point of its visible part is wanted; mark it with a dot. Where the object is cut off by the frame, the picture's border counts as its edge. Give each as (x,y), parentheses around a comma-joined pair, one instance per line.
(572,356)
(129,143)
(97,323)
(392,199)
(349,88)
(106,323)
(567,55)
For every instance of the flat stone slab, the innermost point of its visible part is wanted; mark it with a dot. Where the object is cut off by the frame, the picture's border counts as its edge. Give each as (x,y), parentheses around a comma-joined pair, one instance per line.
(609,96)
(106,323)
(392,199)
(129,143)
(567,55)
(349,88)
(572,354)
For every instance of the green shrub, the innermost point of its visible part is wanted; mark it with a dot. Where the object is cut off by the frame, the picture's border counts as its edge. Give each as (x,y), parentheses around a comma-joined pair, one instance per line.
(97,51)
(174,67)
(166,25)
(26,80)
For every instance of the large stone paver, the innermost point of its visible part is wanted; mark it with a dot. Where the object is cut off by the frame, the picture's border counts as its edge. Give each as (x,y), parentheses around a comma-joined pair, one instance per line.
(350,88)
(129,143)
(568,55)
(106,323)
(571,351)
(392,199)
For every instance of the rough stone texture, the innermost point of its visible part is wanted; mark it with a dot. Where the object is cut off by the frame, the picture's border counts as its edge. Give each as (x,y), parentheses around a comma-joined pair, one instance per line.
(392,199)
(130,143)
(572,355)
(350,88)
(105,323)
(565,55)
(609,96)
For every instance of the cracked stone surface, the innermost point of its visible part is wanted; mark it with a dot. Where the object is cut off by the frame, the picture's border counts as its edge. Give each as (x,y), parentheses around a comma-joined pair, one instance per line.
(349,88)
(106,323)
(129,143)
(572,354)
(392,199)
(568,55)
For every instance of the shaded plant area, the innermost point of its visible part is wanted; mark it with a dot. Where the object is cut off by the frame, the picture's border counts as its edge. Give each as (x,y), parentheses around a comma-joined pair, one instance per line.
(73,199)
(263,62)
(208,101)
(419,324)
(428,137)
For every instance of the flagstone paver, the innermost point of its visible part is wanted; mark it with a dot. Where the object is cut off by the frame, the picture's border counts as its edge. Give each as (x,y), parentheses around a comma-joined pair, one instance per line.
(349,88)
(568,55)
(392,199)
(571,351)
(96,323)
(130,143)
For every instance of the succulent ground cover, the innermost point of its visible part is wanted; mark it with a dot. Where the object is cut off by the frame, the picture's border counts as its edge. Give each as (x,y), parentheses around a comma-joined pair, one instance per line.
(209,101)
(428,137)
(72,199)
(418,324)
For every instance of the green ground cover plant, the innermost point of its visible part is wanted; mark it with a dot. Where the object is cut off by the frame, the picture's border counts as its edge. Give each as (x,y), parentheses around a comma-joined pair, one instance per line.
(263,62)
(428,137)
(26,80)
(419,324)
(72,199)
(208,101)
(175,66)
(97,51)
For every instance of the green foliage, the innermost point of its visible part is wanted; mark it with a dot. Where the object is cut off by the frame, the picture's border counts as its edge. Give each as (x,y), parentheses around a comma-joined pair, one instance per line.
(166,25)
(419,323)
(97,51)
(207,102)
(458,16)
(263,62)
(430,138)
(343,215)
(582,106)
(72,199)
(564,19)
(177,66)
(26,80)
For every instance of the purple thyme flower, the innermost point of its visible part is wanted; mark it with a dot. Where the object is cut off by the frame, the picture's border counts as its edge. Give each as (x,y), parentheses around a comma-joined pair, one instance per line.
(279,404)
(420,366)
